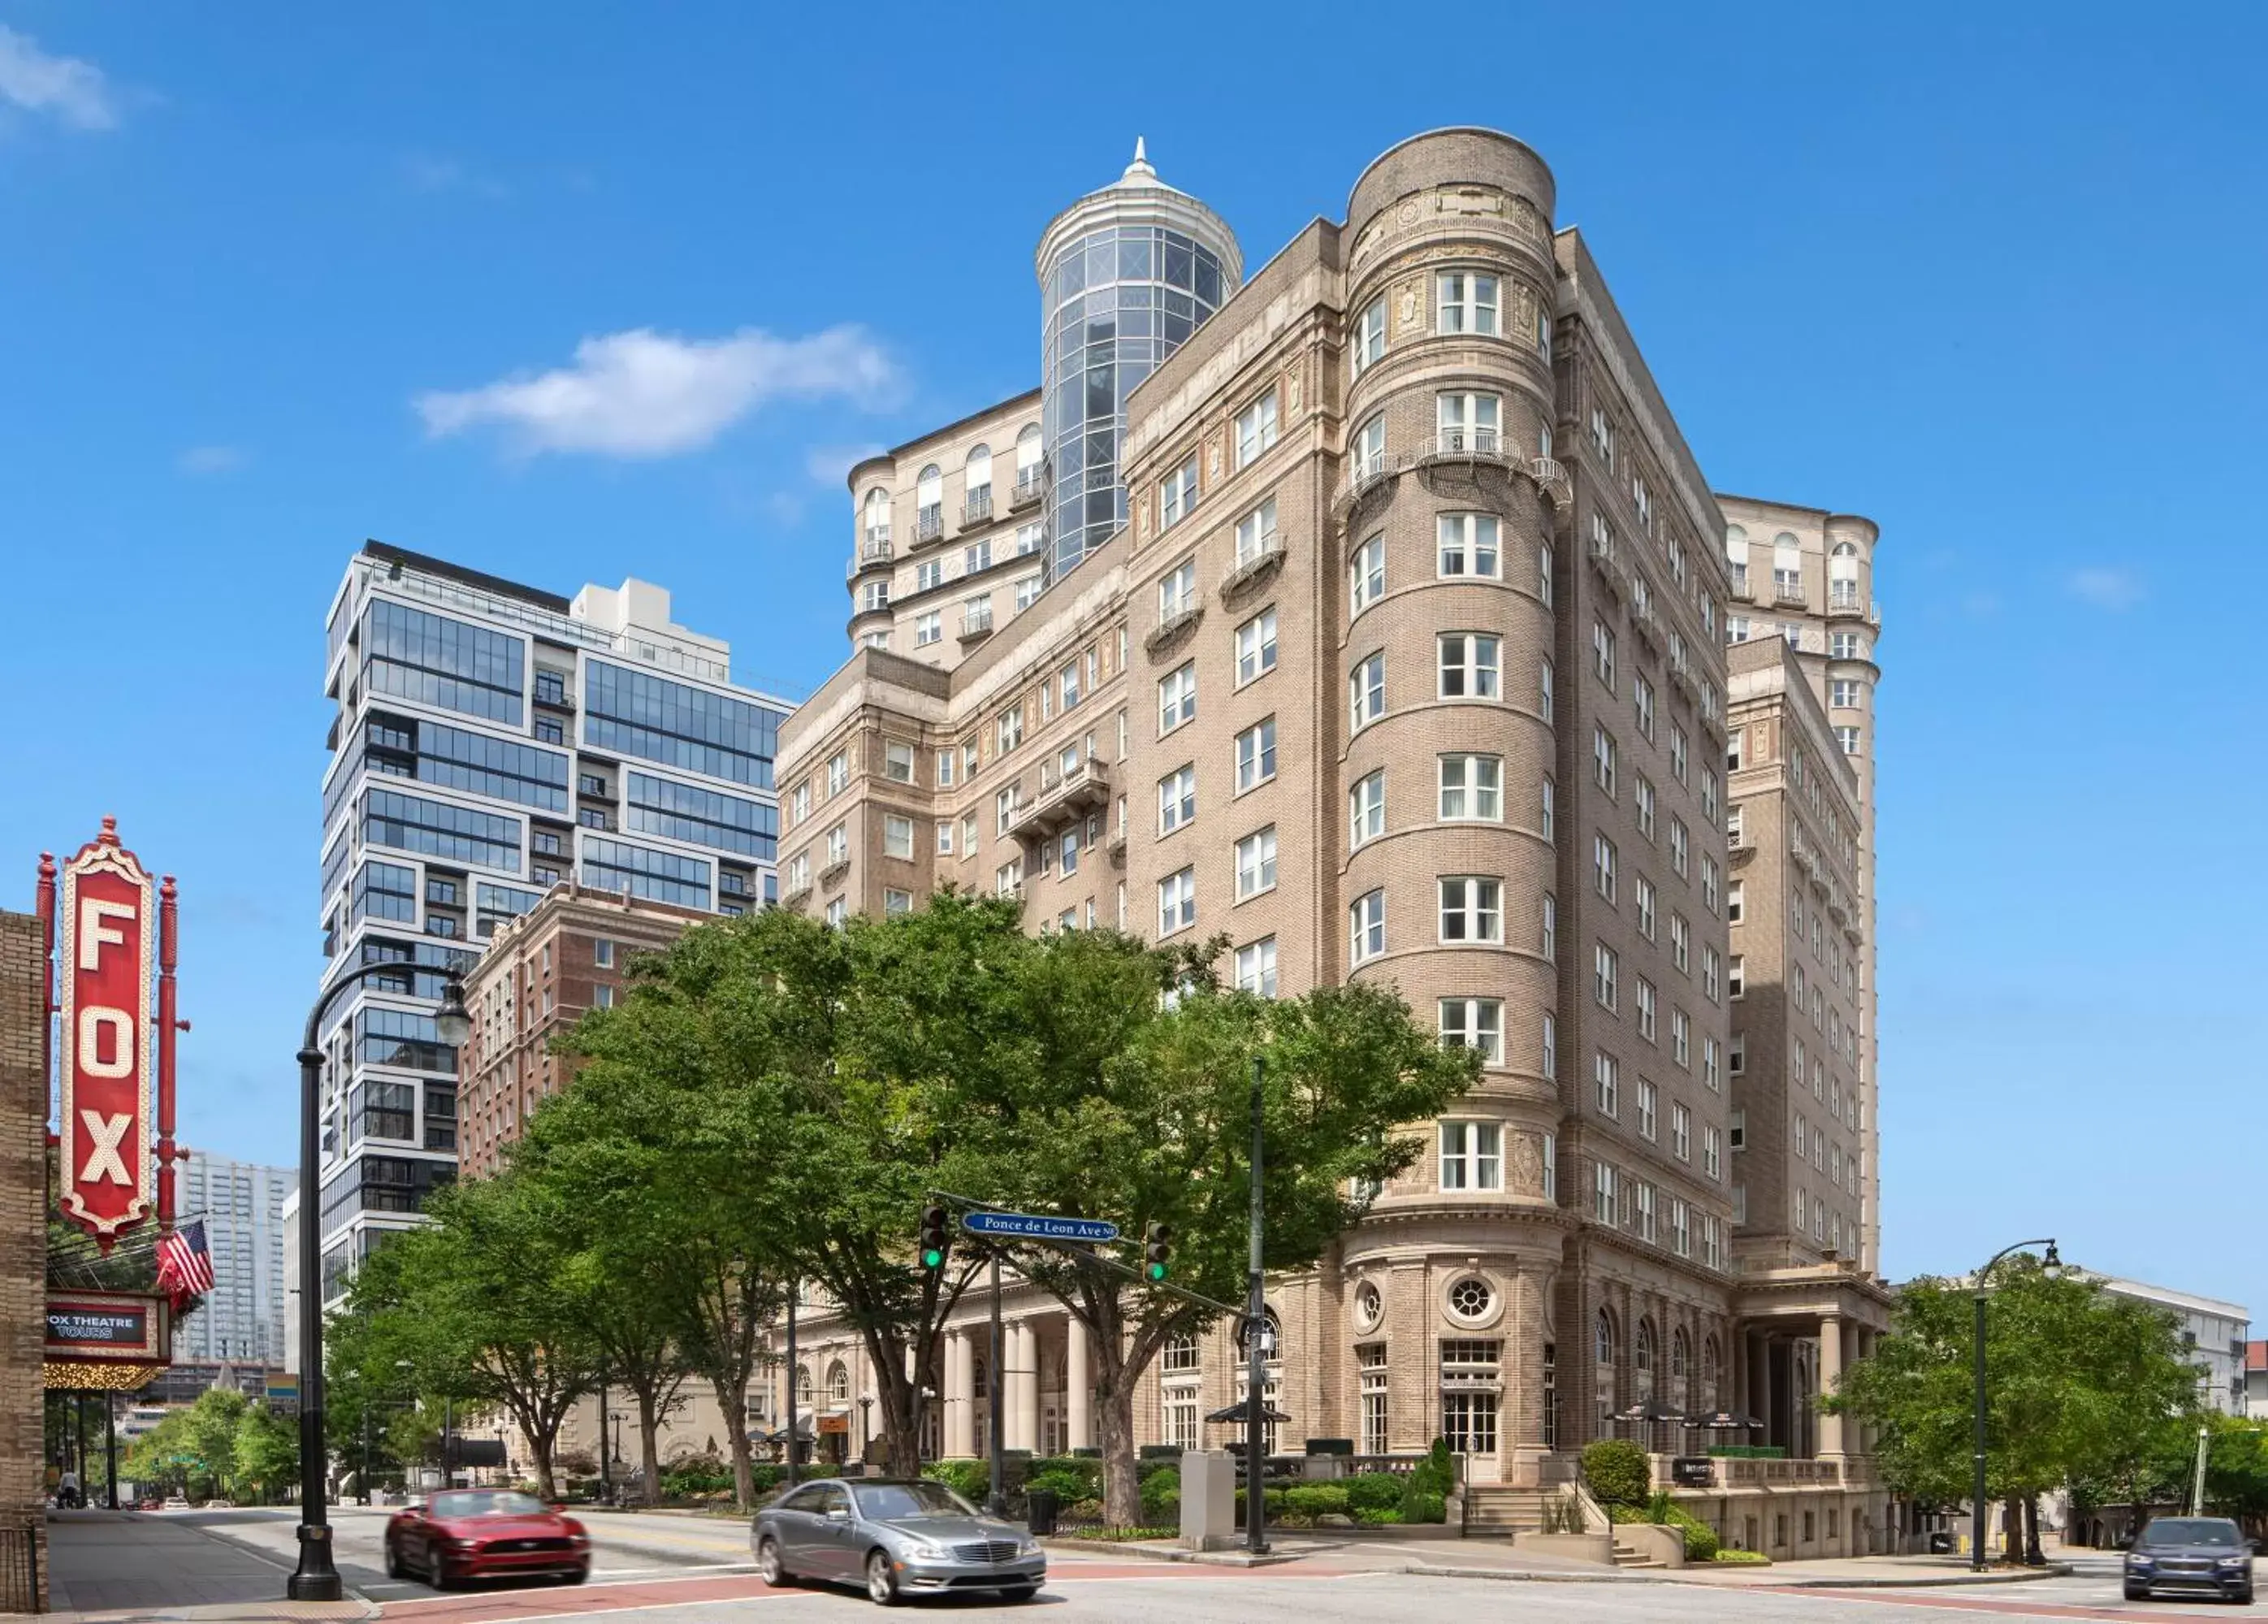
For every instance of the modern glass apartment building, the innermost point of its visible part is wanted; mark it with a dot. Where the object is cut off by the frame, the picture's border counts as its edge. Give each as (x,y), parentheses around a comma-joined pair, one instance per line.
(241,1321)
(492,740)
(1126,274)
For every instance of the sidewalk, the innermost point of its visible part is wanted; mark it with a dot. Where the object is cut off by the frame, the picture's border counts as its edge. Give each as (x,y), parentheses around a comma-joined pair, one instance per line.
(128,1566)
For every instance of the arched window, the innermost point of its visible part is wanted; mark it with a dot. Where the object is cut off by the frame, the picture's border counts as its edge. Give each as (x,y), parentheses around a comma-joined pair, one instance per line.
(803,1384)
(1680,1355)
(1602,1377)
(977,478)
(1709,1400)
(1271,1346)
(1787,564)
(1736,544)
(877,514)
(838,1383)
(1642,1351)
(1179,1357)
(1603,1340)
(1843,576)
(929,499)
(1028,446)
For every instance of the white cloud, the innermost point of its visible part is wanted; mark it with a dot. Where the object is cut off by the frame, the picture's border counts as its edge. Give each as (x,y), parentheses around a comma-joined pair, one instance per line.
(2109,589)
(831,465)
(211,460)
(643,393)
(74,91)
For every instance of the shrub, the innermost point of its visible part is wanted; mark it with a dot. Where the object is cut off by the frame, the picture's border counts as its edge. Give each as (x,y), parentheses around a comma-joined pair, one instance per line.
(1743,1559)
(1374,1518)
(1072,1476)
(1374,1491)
(1617,1471)
(1563,1514)
(971,1480)
(1701,1543)
(1317,1500)
(1426,1507)
(1161,1498)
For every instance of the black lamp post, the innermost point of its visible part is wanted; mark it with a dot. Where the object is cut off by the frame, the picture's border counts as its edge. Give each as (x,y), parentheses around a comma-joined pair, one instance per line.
(317,1577)
(1977,1506)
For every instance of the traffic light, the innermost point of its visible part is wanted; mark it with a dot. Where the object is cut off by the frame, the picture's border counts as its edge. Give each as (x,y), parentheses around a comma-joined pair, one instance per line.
(936,1236)
(1156,1249)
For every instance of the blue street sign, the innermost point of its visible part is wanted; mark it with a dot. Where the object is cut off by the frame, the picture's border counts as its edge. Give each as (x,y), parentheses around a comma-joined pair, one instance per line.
(1033,1226)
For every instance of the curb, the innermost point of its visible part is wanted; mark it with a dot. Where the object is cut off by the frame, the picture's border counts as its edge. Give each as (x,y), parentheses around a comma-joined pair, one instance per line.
(1532,1575)
(1175,1554)
(2052,1570)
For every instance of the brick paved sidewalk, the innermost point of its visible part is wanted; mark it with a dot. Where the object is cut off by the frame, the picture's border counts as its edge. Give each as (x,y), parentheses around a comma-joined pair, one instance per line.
(133,1567)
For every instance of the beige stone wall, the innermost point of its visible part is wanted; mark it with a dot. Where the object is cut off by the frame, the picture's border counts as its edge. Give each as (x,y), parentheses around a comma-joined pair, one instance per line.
(23,1244)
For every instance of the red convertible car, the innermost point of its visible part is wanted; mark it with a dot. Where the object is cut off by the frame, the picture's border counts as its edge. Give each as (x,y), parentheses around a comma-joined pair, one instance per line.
(484,1533)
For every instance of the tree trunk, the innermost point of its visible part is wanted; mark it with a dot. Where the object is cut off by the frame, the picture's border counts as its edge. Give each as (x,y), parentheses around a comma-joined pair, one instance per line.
(2032,1557)
(1122,1483)
(648,1446)
(733,1401)
(547,1488)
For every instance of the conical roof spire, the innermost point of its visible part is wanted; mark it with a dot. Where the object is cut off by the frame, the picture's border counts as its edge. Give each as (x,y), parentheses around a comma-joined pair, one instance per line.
(1139,172)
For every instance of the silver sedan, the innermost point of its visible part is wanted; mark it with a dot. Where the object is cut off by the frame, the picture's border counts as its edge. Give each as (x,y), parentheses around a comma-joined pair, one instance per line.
(896,1537)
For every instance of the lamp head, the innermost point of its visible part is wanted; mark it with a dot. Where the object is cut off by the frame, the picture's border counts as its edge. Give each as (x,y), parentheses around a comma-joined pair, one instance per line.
(2050,1261)
(451,1023)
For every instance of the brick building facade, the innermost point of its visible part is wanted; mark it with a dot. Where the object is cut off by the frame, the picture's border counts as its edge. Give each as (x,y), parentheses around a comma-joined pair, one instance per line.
(23,1255)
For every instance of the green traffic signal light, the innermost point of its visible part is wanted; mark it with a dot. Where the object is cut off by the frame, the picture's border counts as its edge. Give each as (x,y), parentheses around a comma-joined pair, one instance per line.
(933,1257)
(935,1236)
(1157,1250)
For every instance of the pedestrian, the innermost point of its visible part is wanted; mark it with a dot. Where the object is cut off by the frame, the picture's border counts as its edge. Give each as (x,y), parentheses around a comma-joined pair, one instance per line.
(67,1490)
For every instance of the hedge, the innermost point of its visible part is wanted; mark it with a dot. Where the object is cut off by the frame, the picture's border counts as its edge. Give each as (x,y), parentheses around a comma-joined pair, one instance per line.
(1617,1470)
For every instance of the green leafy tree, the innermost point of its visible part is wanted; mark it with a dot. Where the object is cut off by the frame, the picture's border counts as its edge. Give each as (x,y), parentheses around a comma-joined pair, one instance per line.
(193,1448)
(2083,1389)
(481,1307)
(265,1463)
(1126,1109)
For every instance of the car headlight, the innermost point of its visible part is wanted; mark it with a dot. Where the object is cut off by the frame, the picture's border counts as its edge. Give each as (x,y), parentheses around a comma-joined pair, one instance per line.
(1027,1546)
(2232,1561)
(918,1551)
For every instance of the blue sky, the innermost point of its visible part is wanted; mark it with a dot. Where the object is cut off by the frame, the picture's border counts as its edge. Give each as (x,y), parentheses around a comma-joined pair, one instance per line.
(573,293)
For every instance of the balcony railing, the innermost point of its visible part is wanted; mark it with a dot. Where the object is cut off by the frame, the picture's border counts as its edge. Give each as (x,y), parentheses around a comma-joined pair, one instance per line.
(1740,580)
(976,623)
(1365,476)
(1465,445)
(1550,478)
(977,509)
(929,524)
(1031,484)
(1261,562)
(1787,588)
(870,554)
(1063,799)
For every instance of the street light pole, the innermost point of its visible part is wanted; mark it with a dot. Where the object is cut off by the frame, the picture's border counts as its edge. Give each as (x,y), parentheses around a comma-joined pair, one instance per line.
(1255,1319)
(1976,1498)
(317,1577)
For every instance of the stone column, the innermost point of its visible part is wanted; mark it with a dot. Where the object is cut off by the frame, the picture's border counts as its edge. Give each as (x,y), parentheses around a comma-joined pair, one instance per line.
(960,1396)
(1830,1378)
(1760,1387)
(1079,1382)
(1026,1366)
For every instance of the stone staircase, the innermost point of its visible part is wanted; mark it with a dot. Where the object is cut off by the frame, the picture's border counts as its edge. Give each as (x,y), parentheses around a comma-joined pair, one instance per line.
(1498,1511)
(1631,1556)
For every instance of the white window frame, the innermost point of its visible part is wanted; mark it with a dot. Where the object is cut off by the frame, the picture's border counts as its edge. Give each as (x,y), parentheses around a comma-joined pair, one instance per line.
(1467,301)
(1177,697)
(1470,788)
(1256,863)
(1256,755)
(1256,647)
(1177,902)
(1470,665)
(1366,575)
(1256,429)
(1366,927)
(1479,1019)
(1471,1154)
(1177,799)
(1366,808)
(1468,547)
(1470,910)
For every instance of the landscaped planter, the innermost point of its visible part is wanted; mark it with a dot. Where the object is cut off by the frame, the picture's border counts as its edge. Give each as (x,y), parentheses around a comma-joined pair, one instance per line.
(1598,1548)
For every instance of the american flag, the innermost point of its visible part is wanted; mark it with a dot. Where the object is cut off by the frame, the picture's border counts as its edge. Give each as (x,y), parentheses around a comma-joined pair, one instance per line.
(184,1265)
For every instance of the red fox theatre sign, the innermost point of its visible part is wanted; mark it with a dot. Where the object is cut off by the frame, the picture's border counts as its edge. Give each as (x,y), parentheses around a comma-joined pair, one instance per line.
(114,930)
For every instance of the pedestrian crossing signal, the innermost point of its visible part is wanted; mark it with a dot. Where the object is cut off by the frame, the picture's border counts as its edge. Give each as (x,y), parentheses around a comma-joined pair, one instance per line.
(1157,1250)
(936,1238)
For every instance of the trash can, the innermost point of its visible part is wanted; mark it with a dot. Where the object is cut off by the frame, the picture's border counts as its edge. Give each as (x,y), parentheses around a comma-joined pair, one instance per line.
(1940,1544)
(1040,1506)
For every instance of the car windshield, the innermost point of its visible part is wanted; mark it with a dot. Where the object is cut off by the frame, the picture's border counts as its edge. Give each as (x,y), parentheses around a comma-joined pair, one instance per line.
(884,1501)
(2190,1531)
(487,1503)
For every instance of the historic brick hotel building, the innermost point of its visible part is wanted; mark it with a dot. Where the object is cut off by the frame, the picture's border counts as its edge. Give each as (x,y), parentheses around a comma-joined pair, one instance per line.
(1375,612)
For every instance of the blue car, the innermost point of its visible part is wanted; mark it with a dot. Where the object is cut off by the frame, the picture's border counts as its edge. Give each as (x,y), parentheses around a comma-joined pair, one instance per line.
(2192,1554)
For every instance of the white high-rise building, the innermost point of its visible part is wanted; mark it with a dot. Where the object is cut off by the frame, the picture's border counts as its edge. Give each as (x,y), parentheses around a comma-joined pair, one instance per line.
(493,739)
(241,1320)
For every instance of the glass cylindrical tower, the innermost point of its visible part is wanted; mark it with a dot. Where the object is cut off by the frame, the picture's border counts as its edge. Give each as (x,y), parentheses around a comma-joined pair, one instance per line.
(1126,275)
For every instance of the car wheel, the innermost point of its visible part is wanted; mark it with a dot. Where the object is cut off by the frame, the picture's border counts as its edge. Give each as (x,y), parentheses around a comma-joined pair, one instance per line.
(1020,1592)
(437,1570)
(2243,1597)
(2137,1593)
(580,1576)
(394,1568)
(768,1566)
(881,1582)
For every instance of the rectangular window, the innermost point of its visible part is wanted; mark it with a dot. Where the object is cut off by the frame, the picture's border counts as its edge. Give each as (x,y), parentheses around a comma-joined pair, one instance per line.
(1711,1153)
(1646,1003)
(1602,651)
(1735,978)
(1602,866)
(1602,759)
(1472,789)
(1366,927)
(1370,448)
(658,876)
(1678,753)
(1468,545)
(1256,646)
(1642,891)
(1679,845)
(1256,428)
(1177,902)
(1644,1205)
(1642,704)
(929,627)
(897,836)
(1681,1133)
(1466,302)
(1606,1194)
(1027,593)
(928,574)
(1605,966)
(1177,799)
(1177,592)
(1177,698)
(1179,494)
(1472,1155)
(898,762)
(1008,729)
(1546,704)
(1642,796)
(1551,1049)
(1256,755)
(1474,1023)
(1468,665)
(1550,946)
(1366,808)
(1366,693)
(1256,863)
(1681,1038)
(944,837)
(1472,910)
(1469,424)
(1370,1358)
(1256,967)
(1366,575)
(1368,346)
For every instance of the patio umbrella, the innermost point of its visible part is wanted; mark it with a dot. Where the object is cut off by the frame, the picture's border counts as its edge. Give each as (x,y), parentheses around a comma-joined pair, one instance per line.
(1235,1413)
(1723,1421)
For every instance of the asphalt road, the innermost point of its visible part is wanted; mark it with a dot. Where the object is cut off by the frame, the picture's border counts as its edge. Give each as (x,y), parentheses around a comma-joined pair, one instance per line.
(657,1569)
